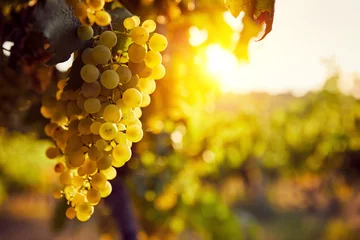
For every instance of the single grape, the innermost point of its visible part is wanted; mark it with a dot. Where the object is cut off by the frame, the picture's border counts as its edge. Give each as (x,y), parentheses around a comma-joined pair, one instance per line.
(92,105)
(101,144)
(84,126)
(147,85)
(145,100)
(95,154)
(121,153)
(59,168)
(95,127)
(76,159)
(153,59)
(86,56)
(91,90)
(89,73)
(93,196)
(108,131)
(52,152)
(149,25)
(95,4)
(139,35)
(158,72)
(136,67)
(136,20)
(101,54)
(106,190)
(132,98)
(136,53)
(110,173)
(98,181)
(109,79)
(112,113)
(85,32)
(108,39)
(70,213)
(65,178)
(129,23)
(134,133)
(158,42)
(104,162)
(124,74)
(146,72)
(102,18)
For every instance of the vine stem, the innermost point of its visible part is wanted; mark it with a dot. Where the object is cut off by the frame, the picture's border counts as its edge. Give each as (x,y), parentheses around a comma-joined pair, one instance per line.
(120,203)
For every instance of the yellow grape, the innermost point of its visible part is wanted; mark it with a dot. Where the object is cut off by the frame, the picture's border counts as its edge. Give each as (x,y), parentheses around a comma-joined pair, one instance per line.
(136,67)
(93,196)
(134,133)
(98,181)
(121,153)
(109,79)
(102,18)
(136,20)
(108,39)
(124,74)
(153,59)
(136,53)
(86,56)
(112,113)
(92,105)
(101,144)
(70,213)
(95,154)
(147,85)
(110,173)
(89,73)
(129,23)
(139,35)
(101,54)
(108,131)
(158,42)
(106,191)
(52,152)
(132,98)
(95,4)
(59,168)
(91,90)
(104,162)
(158,72)
(146,72)
(85,32)
(149,25)
(65,178)
(76,159)
(145,100)
(95,127)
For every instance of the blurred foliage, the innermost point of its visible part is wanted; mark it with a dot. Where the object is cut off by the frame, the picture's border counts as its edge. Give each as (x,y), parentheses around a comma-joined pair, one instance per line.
(212,165)
(23,164)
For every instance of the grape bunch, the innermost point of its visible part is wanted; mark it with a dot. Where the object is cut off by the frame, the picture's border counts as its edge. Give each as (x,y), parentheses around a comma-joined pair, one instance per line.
(91,11)
(95,126)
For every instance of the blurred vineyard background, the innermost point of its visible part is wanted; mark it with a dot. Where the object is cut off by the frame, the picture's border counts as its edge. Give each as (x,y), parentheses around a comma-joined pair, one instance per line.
(212,164)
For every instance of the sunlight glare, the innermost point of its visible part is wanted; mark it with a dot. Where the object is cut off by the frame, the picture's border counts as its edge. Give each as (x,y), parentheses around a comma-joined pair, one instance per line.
(235,23)
(64,66)
(223,64)
(197,36)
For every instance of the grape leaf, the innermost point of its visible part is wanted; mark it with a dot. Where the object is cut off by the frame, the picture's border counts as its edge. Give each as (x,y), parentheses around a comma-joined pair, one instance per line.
(256,12)
(264,13)
(55,19)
